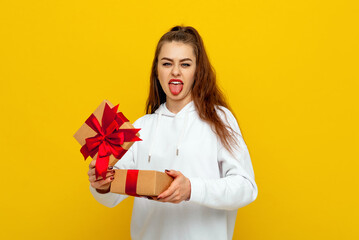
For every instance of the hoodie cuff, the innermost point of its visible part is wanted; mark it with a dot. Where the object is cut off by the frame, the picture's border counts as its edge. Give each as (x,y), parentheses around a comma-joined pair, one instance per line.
(100,195)
(197,190)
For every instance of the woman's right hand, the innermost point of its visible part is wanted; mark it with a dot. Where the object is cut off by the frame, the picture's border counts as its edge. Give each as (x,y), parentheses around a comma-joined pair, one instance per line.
(101,186)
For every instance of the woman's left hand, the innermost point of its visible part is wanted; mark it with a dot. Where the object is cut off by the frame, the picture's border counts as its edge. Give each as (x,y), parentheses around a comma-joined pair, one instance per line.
(178,191)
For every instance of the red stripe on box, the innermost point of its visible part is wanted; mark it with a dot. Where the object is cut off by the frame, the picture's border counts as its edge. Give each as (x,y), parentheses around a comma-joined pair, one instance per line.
(131,182)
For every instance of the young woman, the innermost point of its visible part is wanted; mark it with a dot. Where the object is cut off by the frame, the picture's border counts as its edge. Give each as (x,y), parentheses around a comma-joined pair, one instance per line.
(189,129)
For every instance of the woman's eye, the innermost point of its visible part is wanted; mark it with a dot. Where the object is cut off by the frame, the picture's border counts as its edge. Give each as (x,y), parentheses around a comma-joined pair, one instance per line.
(184,64)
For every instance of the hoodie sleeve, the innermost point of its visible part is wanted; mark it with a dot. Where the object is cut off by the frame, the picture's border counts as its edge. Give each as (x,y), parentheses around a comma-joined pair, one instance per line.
(126,162)
(236,187)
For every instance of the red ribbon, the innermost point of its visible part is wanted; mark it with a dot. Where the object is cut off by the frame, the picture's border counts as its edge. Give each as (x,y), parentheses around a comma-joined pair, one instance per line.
(108,139)
(131,182)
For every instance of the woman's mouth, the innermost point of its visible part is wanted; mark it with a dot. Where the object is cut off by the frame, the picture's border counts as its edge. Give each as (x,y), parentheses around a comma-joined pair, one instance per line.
(176,86)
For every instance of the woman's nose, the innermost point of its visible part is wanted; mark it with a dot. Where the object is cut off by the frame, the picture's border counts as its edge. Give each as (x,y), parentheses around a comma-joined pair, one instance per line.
(175,70)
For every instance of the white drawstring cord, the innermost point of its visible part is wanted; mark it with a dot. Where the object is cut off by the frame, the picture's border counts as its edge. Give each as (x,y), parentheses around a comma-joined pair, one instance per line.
(154,136)
(182,133)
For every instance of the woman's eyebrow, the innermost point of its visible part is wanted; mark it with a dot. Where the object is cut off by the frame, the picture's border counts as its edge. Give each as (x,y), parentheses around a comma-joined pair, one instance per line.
(182,60)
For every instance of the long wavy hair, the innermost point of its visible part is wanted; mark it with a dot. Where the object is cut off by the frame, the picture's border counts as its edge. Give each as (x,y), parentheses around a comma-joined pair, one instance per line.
(206,95)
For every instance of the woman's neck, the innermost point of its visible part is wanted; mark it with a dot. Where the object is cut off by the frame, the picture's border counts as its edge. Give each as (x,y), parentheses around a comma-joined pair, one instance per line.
(176,106)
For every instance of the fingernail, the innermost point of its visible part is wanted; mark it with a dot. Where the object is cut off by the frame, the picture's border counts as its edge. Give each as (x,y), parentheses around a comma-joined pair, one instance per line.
(167,170)
(110,168)
(113,171)
(112,178)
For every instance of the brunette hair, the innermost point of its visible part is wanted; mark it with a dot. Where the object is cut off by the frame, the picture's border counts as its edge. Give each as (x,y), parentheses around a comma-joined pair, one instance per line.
(206,95)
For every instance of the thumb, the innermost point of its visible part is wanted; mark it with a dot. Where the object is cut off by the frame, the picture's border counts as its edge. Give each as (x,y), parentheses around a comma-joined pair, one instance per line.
(172,173)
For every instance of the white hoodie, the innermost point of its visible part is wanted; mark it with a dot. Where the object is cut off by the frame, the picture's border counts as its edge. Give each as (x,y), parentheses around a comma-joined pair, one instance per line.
(220,183)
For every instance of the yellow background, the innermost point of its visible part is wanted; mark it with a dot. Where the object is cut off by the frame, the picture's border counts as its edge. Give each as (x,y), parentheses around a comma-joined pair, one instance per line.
(288,68)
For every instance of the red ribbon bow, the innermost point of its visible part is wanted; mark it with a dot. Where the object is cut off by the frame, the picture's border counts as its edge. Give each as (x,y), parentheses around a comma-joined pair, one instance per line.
(108,139)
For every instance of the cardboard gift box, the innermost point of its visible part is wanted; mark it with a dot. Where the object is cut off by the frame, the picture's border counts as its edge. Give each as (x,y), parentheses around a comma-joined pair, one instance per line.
(106,136)
(140,182)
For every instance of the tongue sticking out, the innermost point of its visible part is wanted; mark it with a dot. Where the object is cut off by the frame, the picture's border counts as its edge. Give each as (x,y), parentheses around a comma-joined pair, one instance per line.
(175,88)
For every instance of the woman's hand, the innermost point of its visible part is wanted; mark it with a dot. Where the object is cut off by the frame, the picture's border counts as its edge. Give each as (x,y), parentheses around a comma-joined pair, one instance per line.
(102,186)
(178,191)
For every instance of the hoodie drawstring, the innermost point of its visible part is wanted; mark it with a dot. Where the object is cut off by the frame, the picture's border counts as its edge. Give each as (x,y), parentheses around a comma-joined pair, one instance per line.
(160,113)
(154,136)
(182,133)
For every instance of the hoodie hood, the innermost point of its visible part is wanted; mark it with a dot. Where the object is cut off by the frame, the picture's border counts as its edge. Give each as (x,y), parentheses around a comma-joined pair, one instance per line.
(163,111)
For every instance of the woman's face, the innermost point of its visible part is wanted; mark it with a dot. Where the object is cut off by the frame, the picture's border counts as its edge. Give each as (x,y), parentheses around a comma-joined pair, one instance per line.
(175,70)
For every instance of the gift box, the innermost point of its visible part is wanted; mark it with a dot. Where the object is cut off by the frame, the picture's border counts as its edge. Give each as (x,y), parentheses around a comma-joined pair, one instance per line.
(140,182)
(106,136)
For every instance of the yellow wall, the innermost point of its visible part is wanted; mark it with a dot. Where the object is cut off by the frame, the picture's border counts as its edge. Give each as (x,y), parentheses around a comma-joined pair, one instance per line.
(288,68)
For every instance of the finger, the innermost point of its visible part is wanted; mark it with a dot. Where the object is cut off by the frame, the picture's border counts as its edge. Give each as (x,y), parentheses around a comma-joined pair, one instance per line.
(151,197)
(175,197)
(174,185)
(173,173)
(101,183)
(92,172)
(109,174)
(168,192)
(93,165)
(92,178)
